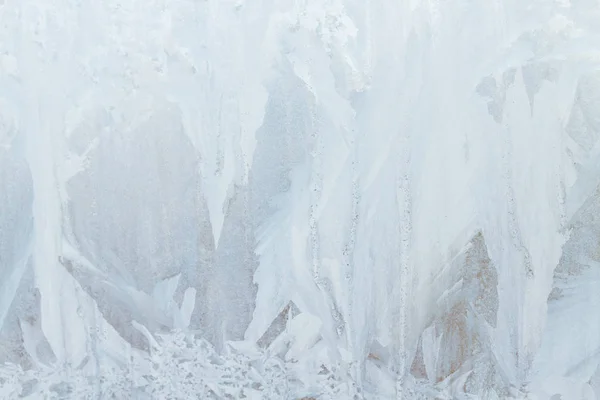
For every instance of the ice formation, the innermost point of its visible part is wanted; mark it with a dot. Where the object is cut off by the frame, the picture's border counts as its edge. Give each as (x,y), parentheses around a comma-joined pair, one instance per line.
(300,199)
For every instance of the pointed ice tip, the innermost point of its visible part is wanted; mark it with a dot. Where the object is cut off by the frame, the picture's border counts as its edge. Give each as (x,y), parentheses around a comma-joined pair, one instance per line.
(217,225)
(216,205)
(187,307)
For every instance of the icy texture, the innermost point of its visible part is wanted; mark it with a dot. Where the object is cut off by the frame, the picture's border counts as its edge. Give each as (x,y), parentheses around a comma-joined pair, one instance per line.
(284,199)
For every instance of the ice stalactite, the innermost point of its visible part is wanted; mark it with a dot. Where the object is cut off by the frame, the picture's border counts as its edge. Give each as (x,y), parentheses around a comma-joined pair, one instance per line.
(44,130)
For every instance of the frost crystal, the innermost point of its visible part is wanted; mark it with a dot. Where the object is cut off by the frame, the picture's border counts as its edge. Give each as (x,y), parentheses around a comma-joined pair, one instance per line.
(316,199)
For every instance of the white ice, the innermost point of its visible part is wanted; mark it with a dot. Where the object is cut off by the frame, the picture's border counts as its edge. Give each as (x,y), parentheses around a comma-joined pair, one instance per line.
(287,199)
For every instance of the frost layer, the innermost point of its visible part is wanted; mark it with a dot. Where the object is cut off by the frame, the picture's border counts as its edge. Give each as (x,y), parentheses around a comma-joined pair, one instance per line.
(365,198)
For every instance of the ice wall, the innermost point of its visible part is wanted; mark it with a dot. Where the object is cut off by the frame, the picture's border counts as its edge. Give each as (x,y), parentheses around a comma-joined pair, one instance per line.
(403,193)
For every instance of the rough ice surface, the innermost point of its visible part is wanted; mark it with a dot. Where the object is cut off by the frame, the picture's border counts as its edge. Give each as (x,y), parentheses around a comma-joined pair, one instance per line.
(300,199)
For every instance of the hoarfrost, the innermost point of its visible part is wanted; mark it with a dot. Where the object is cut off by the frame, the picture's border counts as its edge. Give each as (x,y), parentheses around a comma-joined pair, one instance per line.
(337,199)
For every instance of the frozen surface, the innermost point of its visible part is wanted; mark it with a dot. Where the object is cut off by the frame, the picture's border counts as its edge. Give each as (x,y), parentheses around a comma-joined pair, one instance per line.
(283,199)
